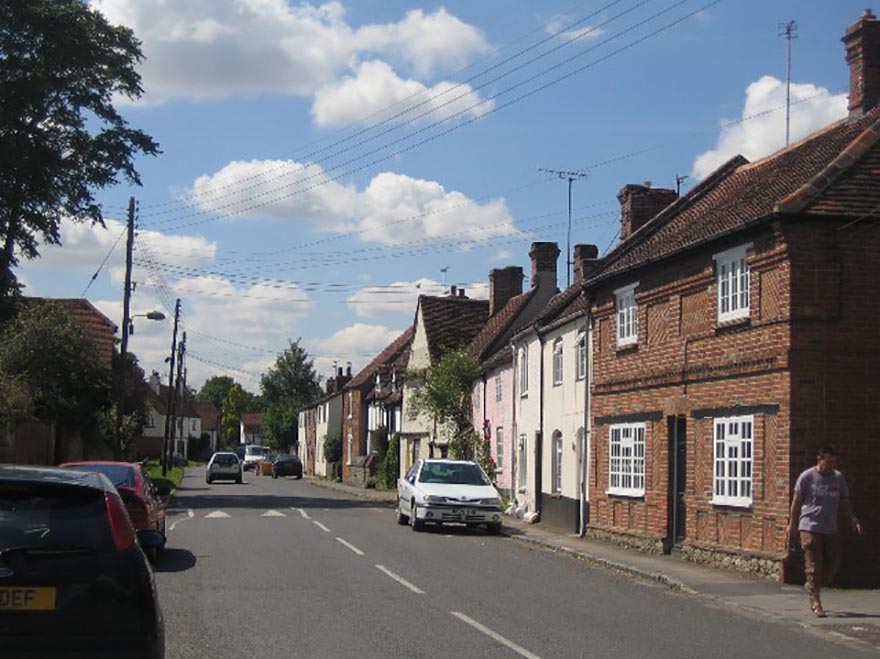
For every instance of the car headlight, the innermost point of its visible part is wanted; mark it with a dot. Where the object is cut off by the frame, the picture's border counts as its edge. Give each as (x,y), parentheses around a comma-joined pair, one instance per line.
(433,498)
(494,501)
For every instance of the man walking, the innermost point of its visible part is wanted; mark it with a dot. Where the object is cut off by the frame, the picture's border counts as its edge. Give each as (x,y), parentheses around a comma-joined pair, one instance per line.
(820,493)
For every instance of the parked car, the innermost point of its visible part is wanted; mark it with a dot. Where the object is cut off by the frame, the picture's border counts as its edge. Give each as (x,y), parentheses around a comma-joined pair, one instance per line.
(139,494)
(254,454)
(74,581)
(444,491)
(284,464)
(223,466)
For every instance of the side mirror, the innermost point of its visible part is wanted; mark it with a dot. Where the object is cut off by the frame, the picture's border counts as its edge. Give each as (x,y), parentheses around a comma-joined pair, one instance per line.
(150,539)
(411,480)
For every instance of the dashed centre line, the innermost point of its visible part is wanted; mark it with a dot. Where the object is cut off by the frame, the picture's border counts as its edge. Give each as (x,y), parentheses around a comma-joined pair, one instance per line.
(190,513)
(351,546)
(401,580)
(321,526)
(495,636)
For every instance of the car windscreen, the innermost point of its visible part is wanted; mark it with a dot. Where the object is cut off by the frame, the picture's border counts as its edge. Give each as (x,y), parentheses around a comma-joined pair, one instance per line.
(119,475)
(256,450)
(35,515)
(453,474)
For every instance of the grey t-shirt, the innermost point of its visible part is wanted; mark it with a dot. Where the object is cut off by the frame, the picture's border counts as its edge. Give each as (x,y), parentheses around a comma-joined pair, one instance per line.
(821,497)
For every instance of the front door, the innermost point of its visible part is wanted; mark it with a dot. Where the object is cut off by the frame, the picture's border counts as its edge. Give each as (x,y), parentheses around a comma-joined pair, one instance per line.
(677,479)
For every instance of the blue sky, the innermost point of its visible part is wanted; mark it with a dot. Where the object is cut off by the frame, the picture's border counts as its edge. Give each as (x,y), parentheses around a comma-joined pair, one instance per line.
(324,163)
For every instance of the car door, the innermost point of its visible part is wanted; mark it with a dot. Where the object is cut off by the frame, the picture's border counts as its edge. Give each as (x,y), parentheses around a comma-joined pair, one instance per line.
(405,488)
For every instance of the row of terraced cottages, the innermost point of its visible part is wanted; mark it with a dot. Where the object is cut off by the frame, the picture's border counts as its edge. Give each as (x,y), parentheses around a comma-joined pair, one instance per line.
(670,397)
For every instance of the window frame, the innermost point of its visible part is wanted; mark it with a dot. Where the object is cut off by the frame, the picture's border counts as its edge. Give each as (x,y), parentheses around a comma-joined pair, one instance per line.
(499,448)
(556,464)
(499,388)
(626,480)
(736,284)
(581,355)
(558,362)
(630,315)
(733,442)
(522,462)
(523,371)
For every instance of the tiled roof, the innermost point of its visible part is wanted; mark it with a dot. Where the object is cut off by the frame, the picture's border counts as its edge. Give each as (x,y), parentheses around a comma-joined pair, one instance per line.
(482,344)
(451,322)
(829,172)
(252,419)
(561,305)
(95,325)
(392,354)
(207,413)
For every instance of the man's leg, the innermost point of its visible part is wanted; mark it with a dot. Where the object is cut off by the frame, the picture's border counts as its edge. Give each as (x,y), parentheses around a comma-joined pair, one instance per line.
(831,557)
(813,566)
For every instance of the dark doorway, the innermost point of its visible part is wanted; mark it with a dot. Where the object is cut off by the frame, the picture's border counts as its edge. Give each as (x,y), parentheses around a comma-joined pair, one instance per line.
(677,479)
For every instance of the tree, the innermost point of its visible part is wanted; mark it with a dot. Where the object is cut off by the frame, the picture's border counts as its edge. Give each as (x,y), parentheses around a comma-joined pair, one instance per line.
(61,65)
(280,424)
(233,406)
(216,389)
(292,377)
(443,392)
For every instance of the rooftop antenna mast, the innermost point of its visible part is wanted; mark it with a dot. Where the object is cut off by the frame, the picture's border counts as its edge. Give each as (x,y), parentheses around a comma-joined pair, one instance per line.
(570,176)
(789,31)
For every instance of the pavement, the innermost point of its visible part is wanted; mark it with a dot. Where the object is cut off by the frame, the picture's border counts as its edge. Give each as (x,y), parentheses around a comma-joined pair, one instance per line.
(853,614)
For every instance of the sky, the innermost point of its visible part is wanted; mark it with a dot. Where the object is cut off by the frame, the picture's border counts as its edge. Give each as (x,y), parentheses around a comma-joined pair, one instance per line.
(324,164)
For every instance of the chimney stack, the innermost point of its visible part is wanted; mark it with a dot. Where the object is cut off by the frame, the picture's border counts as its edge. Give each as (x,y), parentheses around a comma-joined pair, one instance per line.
(504,284)
(862,41)
(639,203)
(544,257)
(453,290)
(586,260)
(155,382)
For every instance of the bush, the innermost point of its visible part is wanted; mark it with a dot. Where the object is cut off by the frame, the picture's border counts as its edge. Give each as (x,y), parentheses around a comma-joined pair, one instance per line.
(388,472)
(333,448)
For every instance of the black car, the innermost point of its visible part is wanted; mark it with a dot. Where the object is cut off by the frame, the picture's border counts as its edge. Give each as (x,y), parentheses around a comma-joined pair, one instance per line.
(74,580)
(287,465)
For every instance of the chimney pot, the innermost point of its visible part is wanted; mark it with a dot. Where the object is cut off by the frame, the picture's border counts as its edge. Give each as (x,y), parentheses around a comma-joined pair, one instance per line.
(504,284)
(461,293)
(862,42)
(639,203)
(453,290)
(544,257)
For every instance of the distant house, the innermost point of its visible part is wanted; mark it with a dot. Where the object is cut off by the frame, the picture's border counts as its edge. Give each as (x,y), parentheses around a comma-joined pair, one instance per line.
(320,419)
(188,423)
(251,428)
(210,418)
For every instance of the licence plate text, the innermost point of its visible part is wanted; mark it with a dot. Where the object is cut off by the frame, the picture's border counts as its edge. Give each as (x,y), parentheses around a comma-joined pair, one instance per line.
(22,598)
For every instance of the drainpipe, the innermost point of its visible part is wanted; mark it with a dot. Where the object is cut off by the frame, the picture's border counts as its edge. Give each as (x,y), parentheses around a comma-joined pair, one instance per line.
(585,439)
(514,434)
(539,445)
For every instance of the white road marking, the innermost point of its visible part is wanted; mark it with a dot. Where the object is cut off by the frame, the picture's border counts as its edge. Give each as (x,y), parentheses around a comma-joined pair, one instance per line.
(302,512)
(273,513)
(217,513)
(401,580)
(189,515)
(493,635)
(351,546)
(321,526)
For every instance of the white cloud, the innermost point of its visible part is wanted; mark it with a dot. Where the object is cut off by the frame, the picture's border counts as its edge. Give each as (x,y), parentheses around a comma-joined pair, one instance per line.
(393,209)
(364,97)
(358,343)
(503,255)
(396,298)
(763,131)
(214,49)
(585,32)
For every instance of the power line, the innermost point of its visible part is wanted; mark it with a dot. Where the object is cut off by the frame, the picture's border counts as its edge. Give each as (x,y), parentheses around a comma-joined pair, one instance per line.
(104,262)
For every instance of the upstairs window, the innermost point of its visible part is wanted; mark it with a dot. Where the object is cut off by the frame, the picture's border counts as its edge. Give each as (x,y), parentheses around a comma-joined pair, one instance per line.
(499,392)
(733,439)
(523,372)
(626,459)
(732,270)
(350,405)
(627,316)
(557,361)
(582,355)
(477,399)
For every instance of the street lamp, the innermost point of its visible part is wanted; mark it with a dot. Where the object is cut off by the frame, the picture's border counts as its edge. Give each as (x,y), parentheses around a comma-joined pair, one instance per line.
(127,329)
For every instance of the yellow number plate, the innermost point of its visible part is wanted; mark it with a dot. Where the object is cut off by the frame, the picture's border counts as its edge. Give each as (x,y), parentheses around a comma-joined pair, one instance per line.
(23,598)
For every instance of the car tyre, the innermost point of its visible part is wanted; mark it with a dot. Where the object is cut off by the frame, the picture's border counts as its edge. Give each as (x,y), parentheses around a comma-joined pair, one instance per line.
(274,475)
(299,477)
(494,529)
(209,480)
(414,521)
(238,480)
(401,518)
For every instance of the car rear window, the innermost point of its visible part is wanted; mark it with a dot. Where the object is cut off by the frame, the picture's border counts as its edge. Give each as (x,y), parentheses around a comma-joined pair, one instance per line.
(225,460)
(46,515)
(119,475)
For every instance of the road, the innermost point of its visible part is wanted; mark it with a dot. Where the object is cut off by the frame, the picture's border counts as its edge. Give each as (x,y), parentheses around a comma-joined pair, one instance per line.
(282,568)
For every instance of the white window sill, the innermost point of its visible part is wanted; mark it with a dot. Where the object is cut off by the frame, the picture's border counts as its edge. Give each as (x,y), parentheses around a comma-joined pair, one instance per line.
(635,494)
(733,318)
(729,502)
(629,343)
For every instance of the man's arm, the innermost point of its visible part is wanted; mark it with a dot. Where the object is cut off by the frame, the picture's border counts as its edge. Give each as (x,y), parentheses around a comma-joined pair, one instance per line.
(794,514)
(846,507)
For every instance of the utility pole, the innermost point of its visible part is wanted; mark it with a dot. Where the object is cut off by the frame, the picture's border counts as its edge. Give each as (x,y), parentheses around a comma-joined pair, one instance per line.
(179,394)
(170,402)
(789,31)
(679,179)
(126,321)
(571,177)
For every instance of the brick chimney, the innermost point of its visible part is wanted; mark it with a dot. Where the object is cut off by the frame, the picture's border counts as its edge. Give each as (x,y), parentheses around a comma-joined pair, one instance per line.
(544,258)
(639,203)
(586,260)
(862,41)
(504,284)
(155,382)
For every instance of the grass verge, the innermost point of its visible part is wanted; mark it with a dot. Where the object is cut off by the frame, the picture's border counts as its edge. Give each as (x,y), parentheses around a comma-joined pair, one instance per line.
(153,470)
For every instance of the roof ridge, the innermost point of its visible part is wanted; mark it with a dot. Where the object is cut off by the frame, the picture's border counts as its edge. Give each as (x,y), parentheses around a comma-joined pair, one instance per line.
(798,200)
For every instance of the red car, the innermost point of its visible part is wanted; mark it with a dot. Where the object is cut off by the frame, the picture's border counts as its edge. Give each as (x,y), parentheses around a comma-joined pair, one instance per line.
(138,493)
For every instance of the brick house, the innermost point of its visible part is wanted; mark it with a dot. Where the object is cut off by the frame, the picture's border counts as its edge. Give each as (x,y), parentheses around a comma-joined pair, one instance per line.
(357,460)
(733,333)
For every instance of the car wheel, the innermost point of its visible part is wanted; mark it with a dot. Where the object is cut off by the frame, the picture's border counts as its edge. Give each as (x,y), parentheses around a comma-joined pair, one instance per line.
(274,475)
(494,528)
(152,555)
(299,477)
(401,518)
(414,521)
(238,480)
(209,480)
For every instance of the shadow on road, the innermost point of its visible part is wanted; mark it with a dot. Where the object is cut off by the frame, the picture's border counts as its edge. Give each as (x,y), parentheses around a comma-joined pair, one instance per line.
(172,559)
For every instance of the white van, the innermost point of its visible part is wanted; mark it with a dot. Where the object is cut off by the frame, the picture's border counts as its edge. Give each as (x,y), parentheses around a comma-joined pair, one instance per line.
(254,454)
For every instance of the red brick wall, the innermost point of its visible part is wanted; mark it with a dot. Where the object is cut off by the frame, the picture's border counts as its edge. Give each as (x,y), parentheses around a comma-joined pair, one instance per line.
(356,426)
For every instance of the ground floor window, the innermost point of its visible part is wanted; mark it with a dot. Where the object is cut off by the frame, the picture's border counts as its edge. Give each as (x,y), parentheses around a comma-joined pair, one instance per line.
(522,462)
(557,462)
(499,448)
(733,440)
(626,459)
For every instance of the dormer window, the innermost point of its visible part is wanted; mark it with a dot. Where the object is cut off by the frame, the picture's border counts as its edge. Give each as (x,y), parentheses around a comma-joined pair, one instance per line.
(627,316)
(732,274)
